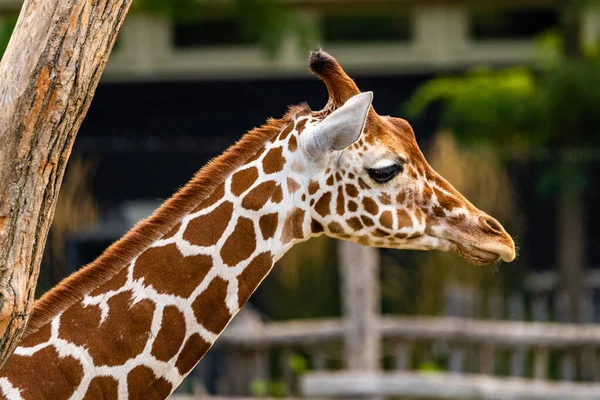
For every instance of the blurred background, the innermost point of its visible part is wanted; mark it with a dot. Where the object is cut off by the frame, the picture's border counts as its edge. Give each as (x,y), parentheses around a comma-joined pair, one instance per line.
(504,96)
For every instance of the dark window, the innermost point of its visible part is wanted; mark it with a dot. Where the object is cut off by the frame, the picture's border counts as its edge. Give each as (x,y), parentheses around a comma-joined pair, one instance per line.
(210,32)
(366,28)
(512,24)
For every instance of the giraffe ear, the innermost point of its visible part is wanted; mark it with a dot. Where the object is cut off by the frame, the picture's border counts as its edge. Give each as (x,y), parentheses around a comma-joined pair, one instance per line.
(341,128)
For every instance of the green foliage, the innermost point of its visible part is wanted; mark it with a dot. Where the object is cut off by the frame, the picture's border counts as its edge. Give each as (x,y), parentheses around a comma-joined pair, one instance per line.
(6,28)
(264,388)
(570,100)
(558,108)
(298,363)
(430,368)
(483,106)
(267,21)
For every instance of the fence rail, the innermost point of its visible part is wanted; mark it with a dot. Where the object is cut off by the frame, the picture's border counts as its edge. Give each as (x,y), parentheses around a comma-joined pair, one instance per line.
(514,358)
(470,346)
(498,333)
(351,384)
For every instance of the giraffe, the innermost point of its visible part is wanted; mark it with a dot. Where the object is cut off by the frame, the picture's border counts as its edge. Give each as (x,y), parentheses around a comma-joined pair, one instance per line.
(134,322)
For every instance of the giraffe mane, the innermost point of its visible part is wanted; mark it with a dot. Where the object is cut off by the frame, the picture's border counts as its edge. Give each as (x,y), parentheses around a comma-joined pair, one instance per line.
(118,255)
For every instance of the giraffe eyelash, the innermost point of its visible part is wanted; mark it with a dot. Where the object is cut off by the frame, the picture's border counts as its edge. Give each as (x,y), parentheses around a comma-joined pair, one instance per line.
(385,174)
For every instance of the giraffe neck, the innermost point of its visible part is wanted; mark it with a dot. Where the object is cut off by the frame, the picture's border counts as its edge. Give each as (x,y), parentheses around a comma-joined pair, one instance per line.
(141,332)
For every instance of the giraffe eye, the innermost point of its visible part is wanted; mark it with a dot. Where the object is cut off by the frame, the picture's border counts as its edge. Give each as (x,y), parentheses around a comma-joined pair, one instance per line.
(385,174)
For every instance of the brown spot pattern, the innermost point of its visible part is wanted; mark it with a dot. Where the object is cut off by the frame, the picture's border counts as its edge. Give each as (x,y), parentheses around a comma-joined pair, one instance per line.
(170,337)
(335,228)
(192,351)
(370,206)
(387,219)
(252,275)
(240,244)
(206,230)
(438,211)
(316,227)
(277,195)
(447,202)
(258,197)
(313,186)
(42,335)
(114,283)
(292,185)
(293,144)
(362,184)
(273,161)
(143,384)
(404,219)
(169,272)
(102,387)
(173,231)
(268,225)
(242,180)
(367,221)
(60,377)
(322,206)
(351,190)
(292,227)
(300,126)
(329,181)
(127,327)
(286,131)
(340,201)
(212,199)
(352,206)
(355,223)
(210,308)
(385,199)
(401,198)
(380,233)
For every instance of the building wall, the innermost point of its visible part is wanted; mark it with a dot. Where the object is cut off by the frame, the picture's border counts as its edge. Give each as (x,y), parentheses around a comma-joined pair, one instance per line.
(440,39)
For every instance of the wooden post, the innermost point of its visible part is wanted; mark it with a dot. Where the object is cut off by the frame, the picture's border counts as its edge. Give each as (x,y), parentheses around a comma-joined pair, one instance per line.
(359,273)
(48,76)
(516,312)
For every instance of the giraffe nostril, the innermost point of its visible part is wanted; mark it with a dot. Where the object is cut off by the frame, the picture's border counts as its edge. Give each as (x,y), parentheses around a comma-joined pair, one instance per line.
(491,224)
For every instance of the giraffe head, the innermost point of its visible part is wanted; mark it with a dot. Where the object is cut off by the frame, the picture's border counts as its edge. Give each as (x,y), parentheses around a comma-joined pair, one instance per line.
(368,181)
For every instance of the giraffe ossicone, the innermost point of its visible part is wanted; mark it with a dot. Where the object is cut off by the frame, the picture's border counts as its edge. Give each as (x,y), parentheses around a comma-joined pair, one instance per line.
(136,321)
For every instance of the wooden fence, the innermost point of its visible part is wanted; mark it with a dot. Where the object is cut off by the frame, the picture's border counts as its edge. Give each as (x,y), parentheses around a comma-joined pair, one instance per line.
(525,347)
(507,356)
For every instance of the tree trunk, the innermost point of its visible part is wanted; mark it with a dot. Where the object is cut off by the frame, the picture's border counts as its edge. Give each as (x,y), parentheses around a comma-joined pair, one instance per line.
(48,76)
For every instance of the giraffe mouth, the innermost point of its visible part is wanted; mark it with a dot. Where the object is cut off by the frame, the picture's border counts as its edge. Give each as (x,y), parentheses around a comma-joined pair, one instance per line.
(476,250)
(477,256)
(472,254)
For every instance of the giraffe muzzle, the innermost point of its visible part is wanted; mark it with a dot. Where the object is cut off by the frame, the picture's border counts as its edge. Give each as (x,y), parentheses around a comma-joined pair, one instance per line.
(492,243)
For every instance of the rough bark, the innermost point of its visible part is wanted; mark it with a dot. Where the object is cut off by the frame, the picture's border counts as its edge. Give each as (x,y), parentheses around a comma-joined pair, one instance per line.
(48,76)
